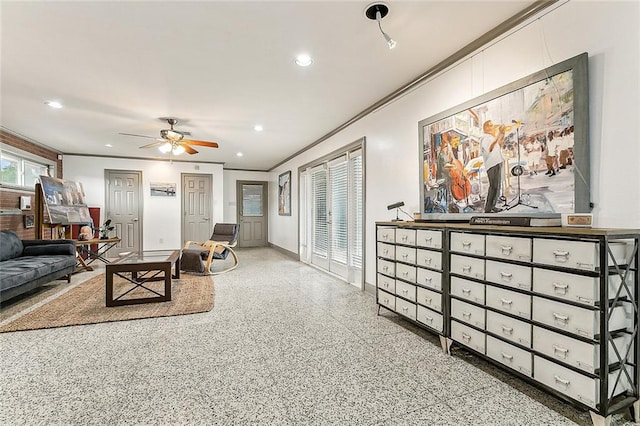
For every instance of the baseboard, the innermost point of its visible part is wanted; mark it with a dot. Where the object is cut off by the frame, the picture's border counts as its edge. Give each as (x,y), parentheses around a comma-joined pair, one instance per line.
(284,251)
(370,288)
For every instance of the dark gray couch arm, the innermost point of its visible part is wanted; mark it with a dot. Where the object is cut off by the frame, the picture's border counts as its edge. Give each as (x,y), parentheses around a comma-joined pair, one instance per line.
(48,247)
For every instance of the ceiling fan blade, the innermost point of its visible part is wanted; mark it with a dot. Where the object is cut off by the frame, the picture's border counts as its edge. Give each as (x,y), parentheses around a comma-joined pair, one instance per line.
(201,143)
(188,149)
(138,136)
(151,145)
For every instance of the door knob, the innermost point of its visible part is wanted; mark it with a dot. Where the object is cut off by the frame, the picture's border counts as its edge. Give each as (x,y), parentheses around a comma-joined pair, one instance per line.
(135,219)
(206,218)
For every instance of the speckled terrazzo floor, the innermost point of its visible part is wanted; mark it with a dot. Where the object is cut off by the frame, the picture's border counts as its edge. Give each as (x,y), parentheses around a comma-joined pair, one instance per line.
(284,344)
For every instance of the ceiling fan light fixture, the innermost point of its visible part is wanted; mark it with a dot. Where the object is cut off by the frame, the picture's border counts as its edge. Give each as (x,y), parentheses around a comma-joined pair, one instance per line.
(258,128)
(178,149)
(53,104)
(165,147)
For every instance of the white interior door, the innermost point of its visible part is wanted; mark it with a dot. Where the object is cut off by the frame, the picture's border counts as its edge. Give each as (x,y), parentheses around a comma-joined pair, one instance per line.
(196,207)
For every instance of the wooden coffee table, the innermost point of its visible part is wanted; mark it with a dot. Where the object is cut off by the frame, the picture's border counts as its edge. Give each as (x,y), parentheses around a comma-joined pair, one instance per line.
(140,268)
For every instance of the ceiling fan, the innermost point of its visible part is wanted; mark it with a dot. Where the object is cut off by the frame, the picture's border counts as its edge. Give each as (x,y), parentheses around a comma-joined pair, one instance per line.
(172,140)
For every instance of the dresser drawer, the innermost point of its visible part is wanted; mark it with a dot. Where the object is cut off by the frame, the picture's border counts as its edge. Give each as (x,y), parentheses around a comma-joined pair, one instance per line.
(386,235)
(430,318)
(406,236)
(573,384)
(406,255)
(387,300)
(406,272)
(467,243)
(430,239)
(469,290)
(430,299)
(509,355)
(386,283)
(509,301)
(580,321)
(467,266)
(405,290)
(509,328)
(428,278)
(429,259)
(583,355)
(577,288)
(388,251)
(513,248)
(468,313)
(574,254)
(405,308)
(515,276)
(467,336)
(387,267)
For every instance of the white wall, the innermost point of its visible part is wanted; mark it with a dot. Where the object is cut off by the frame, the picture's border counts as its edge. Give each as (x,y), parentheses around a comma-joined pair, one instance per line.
(161,218)
(607,30)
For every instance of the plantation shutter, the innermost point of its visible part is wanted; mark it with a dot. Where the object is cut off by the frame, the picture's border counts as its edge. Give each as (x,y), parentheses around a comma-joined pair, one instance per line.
(319,241)
(357,208)
(339,209)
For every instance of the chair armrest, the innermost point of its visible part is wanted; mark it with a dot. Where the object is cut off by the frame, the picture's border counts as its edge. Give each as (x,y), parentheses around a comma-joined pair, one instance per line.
(195,243)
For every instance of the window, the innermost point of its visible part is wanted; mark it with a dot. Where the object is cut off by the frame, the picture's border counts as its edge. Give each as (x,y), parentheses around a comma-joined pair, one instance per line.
(19,170)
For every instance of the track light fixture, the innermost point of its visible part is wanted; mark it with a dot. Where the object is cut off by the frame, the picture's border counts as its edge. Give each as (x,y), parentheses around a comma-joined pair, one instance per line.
(375,12)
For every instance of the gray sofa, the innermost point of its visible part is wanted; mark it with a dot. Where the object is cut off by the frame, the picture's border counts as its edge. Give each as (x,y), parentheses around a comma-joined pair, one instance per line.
(28,264)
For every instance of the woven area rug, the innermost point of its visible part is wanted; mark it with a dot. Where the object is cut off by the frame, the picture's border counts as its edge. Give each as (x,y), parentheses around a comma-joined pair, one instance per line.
(85,304)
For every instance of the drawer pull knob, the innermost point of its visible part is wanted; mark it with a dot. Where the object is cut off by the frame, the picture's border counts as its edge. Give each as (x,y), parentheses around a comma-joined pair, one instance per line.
(429,319)
(466,315)
(405,309)
(506,301)
(466,337)
(559,317)
(386,285)
(561,255)
(506,250)
(561,350)
(466,269)
(427,260)
(427,300)
(405,273)
(561,381)
(427,279)
(385,268)
(506,276)
(405,237)
(428,239)
(466,245)
(560,288)
(405,256)
(386,300)
(505,356)
(405,291)
(466,290)
(386,252)
(507,330)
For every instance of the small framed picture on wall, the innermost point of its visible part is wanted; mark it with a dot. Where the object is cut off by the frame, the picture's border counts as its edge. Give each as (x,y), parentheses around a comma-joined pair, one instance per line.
(29,220)
(284,194)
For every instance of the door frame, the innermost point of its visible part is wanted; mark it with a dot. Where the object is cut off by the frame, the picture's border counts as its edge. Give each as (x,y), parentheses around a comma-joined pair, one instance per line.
(140,203)
(353,146)
(265,204)
(182,183)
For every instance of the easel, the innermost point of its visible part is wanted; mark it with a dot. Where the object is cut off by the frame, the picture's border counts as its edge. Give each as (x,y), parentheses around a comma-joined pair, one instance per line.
(56,231)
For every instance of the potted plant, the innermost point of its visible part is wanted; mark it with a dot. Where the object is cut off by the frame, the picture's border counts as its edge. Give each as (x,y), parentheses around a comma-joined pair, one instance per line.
(105,229)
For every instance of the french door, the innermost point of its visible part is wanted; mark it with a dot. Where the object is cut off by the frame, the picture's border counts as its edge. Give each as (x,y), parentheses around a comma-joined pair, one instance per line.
(332,215)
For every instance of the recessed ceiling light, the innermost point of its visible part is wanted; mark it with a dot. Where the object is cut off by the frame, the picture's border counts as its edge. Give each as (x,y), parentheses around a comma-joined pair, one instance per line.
(53,104)
(239,154)
(258,128)
(304,60)
(108,145)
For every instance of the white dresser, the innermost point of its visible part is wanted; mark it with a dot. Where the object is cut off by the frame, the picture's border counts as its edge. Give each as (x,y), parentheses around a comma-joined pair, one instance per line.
(555,306)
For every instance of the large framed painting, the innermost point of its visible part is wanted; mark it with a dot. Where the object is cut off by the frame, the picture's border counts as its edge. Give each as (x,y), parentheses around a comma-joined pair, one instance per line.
(522,149)
(284,194)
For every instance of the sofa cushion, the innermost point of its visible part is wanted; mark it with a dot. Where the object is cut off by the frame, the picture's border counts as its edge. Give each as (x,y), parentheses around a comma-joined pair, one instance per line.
(49,249)
(10,245)
(15,272)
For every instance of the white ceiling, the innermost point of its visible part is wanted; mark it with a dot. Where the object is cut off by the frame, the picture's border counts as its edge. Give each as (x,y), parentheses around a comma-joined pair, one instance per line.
(218,66)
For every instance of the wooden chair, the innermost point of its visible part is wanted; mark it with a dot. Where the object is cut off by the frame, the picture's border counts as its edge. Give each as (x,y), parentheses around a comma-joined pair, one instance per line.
(198,256)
